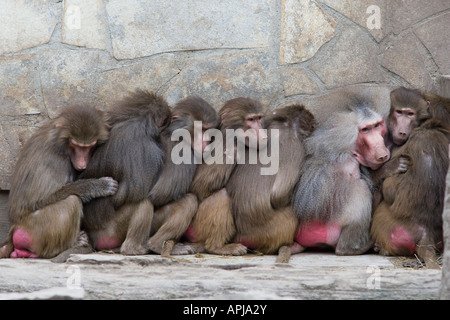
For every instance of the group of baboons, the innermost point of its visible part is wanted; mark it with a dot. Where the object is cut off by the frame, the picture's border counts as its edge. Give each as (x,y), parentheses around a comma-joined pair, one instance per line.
(92,180)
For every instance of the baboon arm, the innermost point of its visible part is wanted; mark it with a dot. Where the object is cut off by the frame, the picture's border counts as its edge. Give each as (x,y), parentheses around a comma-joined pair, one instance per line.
(396,165)
(85,189)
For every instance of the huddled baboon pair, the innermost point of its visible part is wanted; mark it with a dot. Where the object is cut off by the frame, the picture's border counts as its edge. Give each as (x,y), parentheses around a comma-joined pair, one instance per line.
(354,182)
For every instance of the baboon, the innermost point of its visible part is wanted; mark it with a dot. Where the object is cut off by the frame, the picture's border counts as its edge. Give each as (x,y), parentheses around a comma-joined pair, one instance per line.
(174,205)
(46,198)
(261,203)
(133,156)
(213,227)
(408,110)
(333,199)
(409,218)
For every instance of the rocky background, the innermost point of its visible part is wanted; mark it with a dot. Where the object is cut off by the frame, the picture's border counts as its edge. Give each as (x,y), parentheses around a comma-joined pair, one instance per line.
(56,53)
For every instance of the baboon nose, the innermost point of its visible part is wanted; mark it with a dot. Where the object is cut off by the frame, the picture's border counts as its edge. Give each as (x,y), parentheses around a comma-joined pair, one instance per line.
(383,158)
(80,166)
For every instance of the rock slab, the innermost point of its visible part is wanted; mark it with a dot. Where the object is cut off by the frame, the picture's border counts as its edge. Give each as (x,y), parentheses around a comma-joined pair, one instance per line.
(307,276)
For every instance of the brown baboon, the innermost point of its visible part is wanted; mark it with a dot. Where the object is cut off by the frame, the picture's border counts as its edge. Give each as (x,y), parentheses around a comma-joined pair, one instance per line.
(409,219)
(46,198)
(408,110)
(213,225)
(174,205)
(133,156)
(261,203)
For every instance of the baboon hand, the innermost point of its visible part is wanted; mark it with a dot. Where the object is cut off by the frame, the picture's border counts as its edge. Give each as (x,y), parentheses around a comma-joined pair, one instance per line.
(404,163)
(107,187)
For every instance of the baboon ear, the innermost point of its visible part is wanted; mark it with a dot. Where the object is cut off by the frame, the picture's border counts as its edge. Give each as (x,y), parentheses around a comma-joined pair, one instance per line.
(60,122)
(357,155)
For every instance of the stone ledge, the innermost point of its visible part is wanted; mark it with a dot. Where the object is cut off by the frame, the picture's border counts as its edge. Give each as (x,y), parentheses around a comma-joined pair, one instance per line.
(308,276)
(46,294)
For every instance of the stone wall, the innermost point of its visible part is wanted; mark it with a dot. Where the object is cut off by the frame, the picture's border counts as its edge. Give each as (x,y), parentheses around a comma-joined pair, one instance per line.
(55,53)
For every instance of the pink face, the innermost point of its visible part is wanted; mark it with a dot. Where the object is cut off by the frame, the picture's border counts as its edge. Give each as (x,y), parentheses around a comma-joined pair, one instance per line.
(370,149)
(401,123)
(80,153)
(200,141)
(255,122)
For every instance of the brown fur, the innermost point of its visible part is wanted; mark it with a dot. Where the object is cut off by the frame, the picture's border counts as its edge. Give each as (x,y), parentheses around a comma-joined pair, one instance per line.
(439,107)
(133,156)
(210,178)
(213,224)
(171,222)
(426,105)
(414,200)
(410,98)
(261,203)
(45,201)
(175,205)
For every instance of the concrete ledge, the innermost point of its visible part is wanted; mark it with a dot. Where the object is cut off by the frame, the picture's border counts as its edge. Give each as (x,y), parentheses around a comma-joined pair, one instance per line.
(307,276)
(46,294)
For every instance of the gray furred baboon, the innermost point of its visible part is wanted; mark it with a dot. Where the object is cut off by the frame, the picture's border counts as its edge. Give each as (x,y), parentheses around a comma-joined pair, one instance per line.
(333,198)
